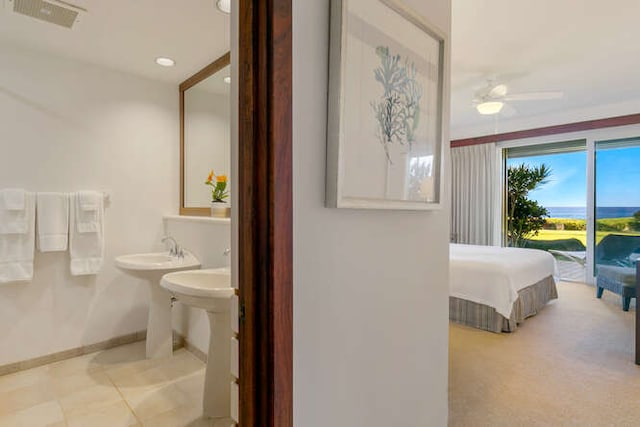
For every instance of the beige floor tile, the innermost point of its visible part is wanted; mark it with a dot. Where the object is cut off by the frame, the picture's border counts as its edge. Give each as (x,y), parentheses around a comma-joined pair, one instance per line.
(137,376)
(182,416)
(193,385)
(47,414)
(185,416)
(81,364)
(25,397)
(90,390)
(125,354)
(114,414)
(183,364)
(89,399)
(23,378)
(73,383)
(148,403)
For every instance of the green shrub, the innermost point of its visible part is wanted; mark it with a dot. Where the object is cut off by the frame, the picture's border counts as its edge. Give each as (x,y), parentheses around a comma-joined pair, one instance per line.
(634,223)
(613,224)
(566,224)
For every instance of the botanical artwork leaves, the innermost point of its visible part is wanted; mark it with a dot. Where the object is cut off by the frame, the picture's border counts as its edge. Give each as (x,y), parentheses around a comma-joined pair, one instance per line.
(397,110)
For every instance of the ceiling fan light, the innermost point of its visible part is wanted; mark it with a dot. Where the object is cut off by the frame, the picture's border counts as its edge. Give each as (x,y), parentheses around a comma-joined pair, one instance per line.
(490,107)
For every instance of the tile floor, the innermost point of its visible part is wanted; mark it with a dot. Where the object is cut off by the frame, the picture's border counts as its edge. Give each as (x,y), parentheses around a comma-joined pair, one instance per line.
(111,388)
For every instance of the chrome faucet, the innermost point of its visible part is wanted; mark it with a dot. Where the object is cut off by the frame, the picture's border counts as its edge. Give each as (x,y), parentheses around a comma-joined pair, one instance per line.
(227,252)
(174,249)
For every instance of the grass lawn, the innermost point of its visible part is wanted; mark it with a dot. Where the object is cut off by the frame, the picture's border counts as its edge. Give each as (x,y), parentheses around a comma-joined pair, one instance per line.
(576,234)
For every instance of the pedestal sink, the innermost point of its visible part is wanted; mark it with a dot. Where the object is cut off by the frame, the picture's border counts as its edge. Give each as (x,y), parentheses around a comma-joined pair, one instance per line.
(151,267)
(210,290)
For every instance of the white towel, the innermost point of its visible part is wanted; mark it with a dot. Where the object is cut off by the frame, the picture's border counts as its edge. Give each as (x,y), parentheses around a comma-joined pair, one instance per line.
(86,247)
(16,249)
(13,215)
(53,221)
(12,199)
(87,206)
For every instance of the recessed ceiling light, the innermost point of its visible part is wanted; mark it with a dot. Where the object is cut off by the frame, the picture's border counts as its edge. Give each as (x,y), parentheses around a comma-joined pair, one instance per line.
(224,5)
(491,107)
(227,80)
(165,62)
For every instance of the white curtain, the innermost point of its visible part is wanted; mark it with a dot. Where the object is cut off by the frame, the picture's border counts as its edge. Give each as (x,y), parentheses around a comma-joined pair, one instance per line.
(474,194)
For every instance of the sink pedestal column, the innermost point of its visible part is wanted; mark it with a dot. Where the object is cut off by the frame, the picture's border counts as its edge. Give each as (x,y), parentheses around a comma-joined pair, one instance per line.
(159,328)
(217,382)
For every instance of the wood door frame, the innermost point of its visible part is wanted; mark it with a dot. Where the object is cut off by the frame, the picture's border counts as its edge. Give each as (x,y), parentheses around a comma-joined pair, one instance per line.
(265,221)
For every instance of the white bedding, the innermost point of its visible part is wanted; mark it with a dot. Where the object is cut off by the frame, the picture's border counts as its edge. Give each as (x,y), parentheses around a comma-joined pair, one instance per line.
(492,275)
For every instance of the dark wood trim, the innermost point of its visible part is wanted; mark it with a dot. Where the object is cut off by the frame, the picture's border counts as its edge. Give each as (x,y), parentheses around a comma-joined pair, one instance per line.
(631,119)
(207,71)
(265,222)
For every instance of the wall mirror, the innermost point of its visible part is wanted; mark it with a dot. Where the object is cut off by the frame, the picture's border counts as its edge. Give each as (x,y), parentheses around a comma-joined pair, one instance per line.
(205,133)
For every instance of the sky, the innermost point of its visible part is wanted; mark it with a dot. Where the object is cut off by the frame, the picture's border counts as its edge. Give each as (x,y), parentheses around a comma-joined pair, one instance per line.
(617,178)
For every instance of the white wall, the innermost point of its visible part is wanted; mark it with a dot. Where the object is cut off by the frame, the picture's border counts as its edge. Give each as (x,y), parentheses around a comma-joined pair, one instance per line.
(207,239)
(207,138)
(371,287)
(68,126)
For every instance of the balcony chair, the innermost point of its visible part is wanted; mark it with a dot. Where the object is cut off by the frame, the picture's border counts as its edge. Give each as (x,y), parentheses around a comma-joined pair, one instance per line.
(616,256)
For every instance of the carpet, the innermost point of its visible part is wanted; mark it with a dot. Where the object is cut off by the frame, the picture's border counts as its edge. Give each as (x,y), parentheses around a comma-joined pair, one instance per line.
(570,365)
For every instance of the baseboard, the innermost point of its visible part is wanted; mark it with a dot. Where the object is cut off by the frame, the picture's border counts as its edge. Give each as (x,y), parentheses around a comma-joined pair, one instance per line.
(74,352)
(179,341)
(184,342)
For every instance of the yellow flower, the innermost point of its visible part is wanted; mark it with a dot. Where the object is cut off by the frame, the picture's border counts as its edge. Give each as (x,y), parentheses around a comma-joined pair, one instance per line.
(219,190)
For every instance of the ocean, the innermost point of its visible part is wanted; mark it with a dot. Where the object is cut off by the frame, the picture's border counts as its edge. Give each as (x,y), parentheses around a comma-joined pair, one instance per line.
(601,212)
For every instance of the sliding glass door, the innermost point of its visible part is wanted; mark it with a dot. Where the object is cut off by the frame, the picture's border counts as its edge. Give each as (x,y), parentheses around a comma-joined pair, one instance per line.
(617,205)
(561,198)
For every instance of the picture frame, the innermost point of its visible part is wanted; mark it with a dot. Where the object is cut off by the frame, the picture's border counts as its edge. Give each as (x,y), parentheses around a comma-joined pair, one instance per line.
(385,121)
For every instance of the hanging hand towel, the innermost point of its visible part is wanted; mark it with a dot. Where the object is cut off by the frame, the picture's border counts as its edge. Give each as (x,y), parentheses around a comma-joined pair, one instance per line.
(53,221)
(17,239)
(12,199)
(13,215)
(87,206)
(86,232)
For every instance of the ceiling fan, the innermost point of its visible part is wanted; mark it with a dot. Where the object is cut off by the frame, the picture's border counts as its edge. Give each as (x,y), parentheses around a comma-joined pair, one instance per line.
(491,99)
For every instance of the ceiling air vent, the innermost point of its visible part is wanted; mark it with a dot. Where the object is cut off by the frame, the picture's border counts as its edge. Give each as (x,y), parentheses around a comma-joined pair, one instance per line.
(63,14)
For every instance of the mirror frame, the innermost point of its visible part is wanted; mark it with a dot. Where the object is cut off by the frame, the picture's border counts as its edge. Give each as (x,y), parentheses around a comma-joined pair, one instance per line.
(207,71)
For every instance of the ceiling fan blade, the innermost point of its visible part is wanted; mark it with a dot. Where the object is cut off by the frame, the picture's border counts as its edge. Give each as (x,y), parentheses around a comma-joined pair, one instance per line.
(498,91)
(533,96)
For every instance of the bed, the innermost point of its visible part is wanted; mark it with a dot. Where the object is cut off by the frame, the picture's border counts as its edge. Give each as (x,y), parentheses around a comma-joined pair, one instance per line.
(495,289)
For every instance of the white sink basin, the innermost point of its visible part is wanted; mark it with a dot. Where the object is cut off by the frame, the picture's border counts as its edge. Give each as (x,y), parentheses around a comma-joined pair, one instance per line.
(151,267)
(158,261)
(208,289)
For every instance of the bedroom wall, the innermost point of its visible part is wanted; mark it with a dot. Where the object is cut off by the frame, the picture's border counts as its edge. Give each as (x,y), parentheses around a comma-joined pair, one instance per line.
(371,287)
(68,126)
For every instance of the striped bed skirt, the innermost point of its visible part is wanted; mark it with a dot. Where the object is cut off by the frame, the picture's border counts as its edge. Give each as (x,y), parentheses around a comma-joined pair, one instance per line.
(530,300)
